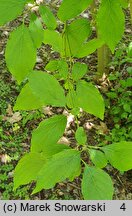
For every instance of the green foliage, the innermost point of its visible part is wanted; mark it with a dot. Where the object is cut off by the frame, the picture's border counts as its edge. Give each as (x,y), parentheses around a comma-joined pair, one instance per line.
(81,136)
(129,51)
(90,99)
(13,7)
(47,88)
(98,158)
(96,184)
(13,143)
(70,9)
(119,155)
(53,66)
(86,97)
(20,53)
(27,100)
(71,99)
(75,34)
(4,91)
(49,162)
(113,22)
(54,39)
(48,17)
(43,138)
(59,66)
(78,71)
(28,169)
(120,97)
(122,55)
(89,47)
(65,164)
(36,30)
(124,3)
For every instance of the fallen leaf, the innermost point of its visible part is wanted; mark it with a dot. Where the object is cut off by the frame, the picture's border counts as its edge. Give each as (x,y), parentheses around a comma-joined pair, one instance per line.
(9,110)
(89,125)
(15,118)
(102,128)
(70,119)
(5,158)
(47,111)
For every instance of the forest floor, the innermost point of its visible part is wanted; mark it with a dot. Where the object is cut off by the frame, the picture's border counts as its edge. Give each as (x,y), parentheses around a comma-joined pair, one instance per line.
(16,127)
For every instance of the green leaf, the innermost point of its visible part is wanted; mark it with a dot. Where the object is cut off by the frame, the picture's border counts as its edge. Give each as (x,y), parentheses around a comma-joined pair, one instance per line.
(75,111)
(48,133)
(89,47)
(47,89)
(96,184)
(65,164)
(71,99)
(114,22)
(54,39)
(119,155)
(75,35)
(90,99)
(10,9)
(48,17)
(58,65)
(20,53)
(36,30)
(79,70)
(63,68)
(28,168)
(124,3)
(98,158)
(129,50)
(81,136)
(52,66)
(27,100)
(30,1)
(70,9)
(49,151)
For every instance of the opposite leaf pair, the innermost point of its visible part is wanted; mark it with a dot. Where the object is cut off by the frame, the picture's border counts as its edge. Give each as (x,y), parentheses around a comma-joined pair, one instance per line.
(48,91)
(49,163)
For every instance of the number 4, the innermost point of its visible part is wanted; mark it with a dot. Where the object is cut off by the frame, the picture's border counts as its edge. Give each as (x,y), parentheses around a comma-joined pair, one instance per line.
(123,207)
